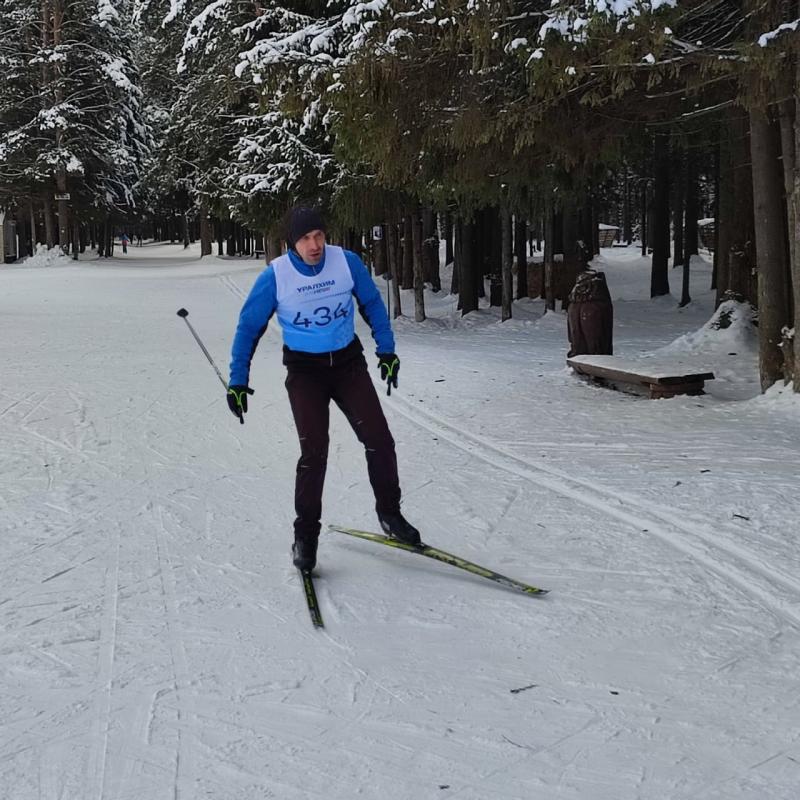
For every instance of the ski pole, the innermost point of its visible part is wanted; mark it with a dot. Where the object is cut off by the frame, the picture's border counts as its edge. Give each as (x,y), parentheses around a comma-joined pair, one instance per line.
(183,313)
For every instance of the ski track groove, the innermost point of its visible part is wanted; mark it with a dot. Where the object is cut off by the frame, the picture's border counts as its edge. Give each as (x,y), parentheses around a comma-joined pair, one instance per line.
(176,648)
(671,530)
(106,655)
(231,285)
(5,411)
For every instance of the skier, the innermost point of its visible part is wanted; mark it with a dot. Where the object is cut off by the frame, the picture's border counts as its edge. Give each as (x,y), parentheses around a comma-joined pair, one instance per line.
(311,290)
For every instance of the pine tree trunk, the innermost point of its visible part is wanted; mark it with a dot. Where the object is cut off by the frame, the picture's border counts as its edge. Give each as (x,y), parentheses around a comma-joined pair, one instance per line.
(644,211)
(105,246)
(62,206)
(469,269)
(521,255)
(507,246)
(3,237)
(419,275)
(715,267)
(379,250)
(725,217)
(773,292)
(34,231)
(659,275)
(742,257)
(274,247)
(393,265)
(416,238)
(457,259)
(549,254)
(588,229)
(788,156)
(679,196)
(430,249)
(575,253)
(795,232)
(205,231)
(493,254)
(480,246)
(407,277)
(76,238)
(690,235)
(49,223)
(448,238)
(22,235)
(627,222)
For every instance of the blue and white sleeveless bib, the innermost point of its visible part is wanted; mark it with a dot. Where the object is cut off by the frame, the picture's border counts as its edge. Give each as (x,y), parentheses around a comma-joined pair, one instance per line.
(315,312)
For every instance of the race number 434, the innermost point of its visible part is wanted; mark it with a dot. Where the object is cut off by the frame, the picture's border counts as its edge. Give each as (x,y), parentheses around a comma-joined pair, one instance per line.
(322,316)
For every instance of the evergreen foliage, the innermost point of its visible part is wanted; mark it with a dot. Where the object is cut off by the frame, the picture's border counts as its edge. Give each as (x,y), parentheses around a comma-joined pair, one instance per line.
(70,104)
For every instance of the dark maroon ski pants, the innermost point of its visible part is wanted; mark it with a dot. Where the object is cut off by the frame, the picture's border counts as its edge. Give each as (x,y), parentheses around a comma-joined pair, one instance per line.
(313,381)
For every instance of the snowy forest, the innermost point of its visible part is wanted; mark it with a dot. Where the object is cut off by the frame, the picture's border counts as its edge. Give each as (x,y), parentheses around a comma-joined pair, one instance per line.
(496,126)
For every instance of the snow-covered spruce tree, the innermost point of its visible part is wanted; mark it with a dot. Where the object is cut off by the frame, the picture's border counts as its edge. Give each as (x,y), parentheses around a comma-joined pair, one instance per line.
(79,131)
(18,104)
(284,150)
(165,193)
(225,145)
(234,119)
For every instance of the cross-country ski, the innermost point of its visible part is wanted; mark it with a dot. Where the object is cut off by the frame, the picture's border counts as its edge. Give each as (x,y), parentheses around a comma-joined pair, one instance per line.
(435,553)
(310,594)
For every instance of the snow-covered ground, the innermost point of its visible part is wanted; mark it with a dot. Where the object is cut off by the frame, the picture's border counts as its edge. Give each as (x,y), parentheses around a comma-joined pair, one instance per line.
(155,642)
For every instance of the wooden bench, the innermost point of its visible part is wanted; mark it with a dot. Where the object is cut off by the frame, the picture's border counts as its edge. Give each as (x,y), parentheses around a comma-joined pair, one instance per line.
(656,382)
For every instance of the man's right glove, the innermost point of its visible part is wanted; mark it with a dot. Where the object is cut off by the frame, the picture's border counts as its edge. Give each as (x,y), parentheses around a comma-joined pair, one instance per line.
(237,400)
(389,365)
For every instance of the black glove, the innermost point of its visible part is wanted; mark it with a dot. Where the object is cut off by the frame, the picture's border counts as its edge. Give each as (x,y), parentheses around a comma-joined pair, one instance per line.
(389,365)
(237,400)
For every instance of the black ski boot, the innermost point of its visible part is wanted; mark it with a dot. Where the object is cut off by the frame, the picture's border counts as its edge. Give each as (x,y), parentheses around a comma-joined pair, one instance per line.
(398,527)
(304,554)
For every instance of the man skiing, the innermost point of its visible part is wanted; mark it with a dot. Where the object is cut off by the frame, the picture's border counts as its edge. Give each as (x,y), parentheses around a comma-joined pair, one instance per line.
(311,289)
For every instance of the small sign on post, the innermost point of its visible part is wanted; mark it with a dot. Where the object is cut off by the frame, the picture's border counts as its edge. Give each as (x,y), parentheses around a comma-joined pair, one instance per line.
(65,196)
(377,232)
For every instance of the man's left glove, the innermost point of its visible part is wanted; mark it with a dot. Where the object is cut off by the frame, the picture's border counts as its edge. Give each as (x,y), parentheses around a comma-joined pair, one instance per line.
(389,365)
(237,400)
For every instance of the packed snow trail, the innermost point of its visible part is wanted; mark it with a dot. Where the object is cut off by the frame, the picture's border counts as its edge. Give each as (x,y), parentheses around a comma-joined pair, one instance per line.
(780,591)
(155,641)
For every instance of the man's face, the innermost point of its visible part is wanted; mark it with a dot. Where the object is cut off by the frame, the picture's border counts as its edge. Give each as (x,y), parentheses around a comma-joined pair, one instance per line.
(311,247)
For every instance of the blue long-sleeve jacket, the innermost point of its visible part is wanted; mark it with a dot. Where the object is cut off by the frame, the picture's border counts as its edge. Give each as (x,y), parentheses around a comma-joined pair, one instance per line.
(262,303)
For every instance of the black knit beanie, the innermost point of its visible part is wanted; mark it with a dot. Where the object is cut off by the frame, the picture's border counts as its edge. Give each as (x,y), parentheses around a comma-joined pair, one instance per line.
(303,220)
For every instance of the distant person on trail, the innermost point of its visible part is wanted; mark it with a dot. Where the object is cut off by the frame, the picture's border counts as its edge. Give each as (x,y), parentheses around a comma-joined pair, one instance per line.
(124,239)
(311,290)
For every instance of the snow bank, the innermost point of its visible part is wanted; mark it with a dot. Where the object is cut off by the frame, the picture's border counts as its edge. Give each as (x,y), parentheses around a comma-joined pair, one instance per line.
(731,328)
(728,345)
(44,257)
(780,396)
